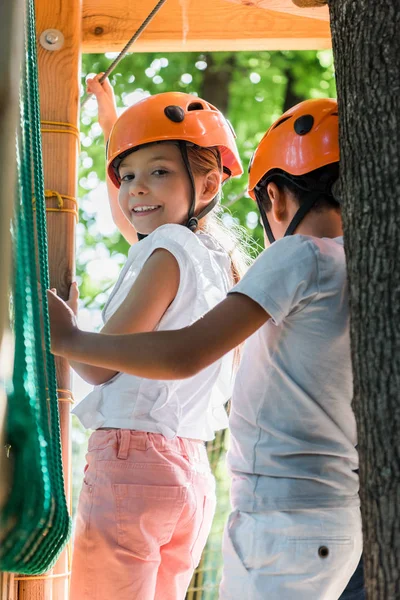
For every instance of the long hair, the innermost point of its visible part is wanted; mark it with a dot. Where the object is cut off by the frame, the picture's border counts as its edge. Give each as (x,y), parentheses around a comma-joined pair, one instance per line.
(232,239)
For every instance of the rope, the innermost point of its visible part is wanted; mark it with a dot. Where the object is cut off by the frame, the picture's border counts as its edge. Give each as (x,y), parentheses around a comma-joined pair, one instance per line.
(70,397)
(71,128)
(60,203)
(43,577)
(125,49)
(36,525)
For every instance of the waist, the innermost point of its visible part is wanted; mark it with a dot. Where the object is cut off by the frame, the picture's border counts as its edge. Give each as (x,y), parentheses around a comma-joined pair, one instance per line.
(127,439)
(137,431)
(258,493)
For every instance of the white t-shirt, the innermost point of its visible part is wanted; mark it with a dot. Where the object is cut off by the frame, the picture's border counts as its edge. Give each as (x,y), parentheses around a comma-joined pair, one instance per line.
(191,408)
(293,432)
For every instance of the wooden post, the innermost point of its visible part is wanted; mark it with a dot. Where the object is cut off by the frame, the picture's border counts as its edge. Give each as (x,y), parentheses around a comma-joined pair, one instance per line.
(59,70)
(11,45)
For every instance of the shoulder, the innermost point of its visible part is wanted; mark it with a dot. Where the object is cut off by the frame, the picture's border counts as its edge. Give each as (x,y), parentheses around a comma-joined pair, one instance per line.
(293,253)
(179,234)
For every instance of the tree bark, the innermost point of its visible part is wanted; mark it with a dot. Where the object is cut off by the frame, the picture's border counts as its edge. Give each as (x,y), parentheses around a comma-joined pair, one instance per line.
(291,98)
(217,78)
(366,45)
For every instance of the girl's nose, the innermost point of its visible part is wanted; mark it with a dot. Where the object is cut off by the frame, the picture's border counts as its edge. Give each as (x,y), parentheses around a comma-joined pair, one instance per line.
(137,188)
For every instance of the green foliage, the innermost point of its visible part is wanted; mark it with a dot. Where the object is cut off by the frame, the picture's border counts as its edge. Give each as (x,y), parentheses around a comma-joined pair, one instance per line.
(251,88)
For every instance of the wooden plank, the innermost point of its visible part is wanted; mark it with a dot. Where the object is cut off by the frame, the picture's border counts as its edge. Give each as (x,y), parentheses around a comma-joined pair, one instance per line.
(287,6)
(7,587)
(193,25)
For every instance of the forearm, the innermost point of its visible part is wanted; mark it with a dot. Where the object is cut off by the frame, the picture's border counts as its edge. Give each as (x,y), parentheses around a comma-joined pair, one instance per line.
(92,374)
(159,355)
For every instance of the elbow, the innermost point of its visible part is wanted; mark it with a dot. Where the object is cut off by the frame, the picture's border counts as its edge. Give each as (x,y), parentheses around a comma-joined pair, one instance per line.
(188,365)
(98,379)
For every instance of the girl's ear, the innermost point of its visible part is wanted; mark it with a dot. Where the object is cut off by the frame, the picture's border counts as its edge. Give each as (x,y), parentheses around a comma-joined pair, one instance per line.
(278,201)
(210,186)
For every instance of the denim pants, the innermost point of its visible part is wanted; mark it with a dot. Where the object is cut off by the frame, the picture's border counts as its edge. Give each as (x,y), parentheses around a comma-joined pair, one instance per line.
(144,515)
(355,587)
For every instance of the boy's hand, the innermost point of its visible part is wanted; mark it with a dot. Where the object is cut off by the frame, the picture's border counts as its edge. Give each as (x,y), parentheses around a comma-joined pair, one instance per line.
(63,325)
(107,110)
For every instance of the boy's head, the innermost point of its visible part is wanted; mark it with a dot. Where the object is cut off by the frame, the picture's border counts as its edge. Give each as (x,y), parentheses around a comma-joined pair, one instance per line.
(295,166)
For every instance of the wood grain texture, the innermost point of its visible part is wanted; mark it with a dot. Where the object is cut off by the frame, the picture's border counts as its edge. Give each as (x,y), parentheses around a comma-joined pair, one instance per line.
(191,25)
(313,9)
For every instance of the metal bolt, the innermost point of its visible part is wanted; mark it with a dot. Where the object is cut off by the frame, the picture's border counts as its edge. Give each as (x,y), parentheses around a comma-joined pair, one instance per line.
(51,37)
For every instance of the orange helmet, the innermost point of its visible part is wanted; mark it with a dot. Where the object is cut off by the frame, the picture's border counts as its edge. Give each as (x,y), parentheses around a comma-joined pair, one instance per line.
(303,139)
(173,116)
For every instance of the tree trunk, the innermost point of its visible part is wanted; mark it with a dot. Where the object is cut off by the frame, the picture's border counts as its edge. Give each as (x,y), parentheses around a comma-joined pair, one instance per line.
(216,82)
(291,98)
(366,45)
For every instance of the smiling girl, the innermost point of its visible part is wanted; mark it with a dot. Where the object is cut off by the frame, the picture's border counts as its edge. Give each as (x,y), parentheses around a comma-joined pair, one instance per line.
(148,498)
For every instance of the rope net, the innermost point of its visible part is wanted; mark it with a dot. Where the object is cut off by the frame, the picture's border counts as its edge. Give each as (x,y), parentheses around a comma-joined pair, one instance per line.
(35,524)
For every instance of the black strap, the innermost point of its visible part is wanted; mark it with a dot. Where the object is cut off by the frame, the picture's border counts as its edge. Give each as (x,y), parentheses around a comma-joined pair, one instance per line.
(267,226)
(301,213)
(192,221)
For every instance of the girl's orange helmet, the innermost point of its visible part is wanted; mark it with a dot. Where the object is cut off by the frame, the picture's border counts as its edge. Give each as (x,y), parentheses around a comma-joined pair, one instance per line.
(173,116)
(303,139)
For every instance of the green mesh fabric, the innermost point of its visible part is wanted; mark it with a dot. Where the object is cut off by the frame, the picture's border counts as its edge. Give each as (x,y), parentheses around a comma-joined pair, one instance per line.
(35,524)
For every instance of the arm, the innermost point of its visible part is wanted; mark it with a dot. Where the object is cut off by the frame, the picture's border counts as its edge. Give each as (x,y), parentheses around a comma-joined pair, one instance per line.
(107,114)
(153,291)
(164,354)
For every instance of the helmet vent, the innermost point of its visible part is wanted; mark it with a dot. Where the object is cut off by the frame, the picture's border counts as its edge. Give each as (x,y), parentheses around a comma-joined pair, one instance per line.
(195,106)
(303,124)
(174,113)
(334,114)
(282,121)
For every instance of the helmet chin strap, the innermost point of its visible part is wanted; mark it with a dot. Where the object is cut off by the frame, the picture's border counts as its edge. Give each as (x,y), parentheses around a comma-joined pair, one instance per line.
(294,223)
(193,221)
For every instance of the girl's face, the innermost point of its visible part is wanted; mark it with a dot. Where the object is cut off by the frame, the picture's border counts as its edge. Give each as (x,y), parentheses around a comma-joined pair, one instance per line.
(155,187)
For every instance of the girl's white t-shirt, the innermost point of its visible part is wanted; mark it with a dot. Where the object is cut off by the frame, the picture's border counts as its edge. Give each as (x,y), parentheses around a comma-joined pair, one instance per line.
(191,408)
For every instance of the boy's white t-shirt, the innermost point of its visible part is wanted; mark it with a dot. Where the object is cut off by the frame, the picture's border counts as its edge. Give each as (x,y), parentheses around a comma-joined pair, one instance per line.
(191,408)
(293,432)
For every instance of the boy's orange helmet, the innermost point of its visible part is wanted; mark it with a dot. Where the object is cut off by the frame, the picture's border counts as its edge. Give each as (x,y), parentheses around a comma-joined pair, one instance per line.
(173,116)
(303,139)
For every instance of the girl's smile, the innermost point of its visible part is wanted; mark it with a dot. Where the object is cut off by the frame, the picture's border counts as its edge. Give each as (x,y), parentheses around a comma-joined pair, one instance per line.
(142,210)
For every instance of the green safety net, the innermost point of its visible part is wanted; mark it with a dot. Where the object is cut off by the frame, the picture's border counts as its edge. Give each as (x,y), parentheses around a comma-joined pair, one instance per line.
(35,524)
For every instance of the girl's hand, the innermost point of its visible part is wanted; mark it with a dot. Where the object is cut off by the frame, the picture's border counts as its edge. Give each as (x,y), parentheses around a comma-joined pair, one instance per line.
(63,325)
(107,109)
(73,298)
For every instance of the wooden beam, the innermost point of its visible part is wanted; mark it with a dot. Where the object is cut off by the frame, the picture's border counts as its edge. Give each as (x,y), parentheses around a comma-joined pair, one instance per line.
(287,6)
(194,25)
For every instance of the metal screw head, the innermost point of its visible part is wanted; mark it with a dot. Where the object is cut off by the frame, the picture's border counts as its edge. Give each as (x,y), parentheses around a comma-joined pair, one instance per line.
(52,39)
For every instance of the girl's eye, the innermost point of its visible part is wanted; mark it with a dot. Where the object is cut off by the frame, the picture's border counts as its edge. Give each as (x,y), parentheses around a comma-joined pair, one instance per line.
(160,172)
(127,177)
